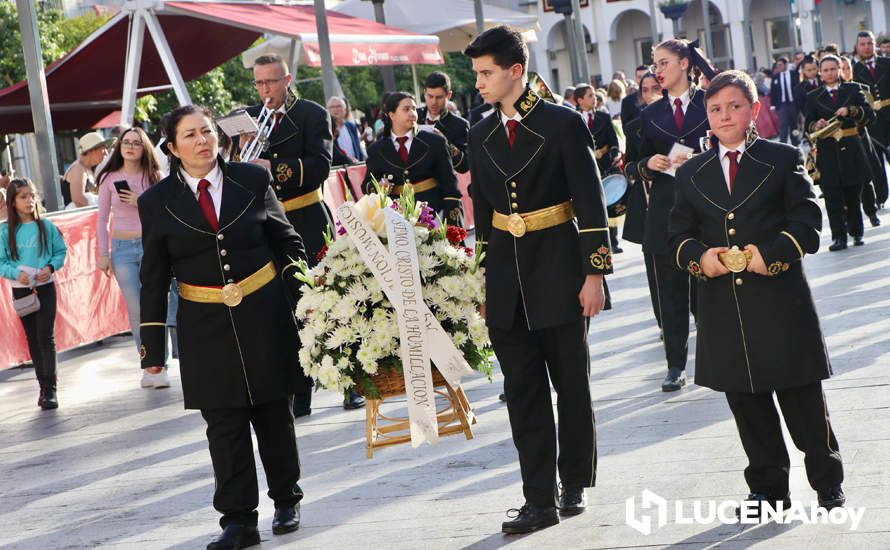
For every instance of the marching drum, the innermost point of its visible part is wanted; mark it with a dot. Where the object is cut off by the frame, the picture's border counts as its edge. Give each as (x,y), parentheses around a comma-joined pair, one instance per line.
(615,189)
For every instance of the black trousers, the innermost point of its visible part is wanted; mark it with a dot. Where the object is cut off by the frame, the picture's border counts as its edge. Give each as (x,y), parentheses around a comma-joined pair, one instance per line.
(788,123)
(672,289)
(806,416)
(526,357)
(649,262)
(40,332)
(844,210)
(231,451)
(880,182)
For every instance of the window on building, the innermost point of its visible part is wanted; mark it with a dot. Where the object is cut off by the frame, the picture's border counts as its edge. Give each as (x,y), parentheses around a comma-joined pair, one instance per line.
(779,37)
(721,49)
(643,51)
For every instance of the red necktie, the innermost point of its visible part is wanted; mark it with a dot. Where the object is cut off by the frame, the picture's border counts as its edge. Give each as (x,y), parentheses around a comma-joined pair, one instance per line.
(834,96)
(733,166)
(871,69)
(678,113)
(590,122)
(511,131)
(403,151)
(278,116)
(430,122)
(205,201)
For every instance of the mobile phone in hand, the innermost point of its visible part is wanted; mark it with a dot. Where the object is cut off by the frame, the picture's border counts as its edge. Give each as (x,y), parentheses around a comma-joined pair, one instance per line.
(121,185)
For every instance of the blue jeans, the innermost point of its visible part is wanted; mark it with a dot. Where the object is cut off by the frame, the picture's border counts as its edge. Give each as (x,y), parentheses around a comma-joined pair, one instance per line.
(126,260)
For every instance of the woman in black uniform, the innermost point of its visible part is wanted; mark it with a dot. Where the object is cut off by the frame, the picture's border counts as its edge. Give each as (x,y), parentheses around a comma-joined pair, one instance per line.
(677,118)
(403,155)
(220,230)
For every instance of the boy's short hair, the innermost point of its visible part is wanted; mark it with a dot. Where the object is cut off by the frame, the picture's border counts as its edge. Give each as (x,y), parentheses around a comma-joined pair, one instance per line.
(830,57)
(505,44)
(438,79)
(734,78)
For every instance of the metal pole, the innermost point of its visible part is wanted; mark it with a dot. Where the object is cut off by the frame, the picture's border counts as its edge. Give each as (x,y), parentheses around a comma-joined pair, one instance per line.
(135,40)
(166,55)
(389,77)
(47,172)
(652,24)
(480,18)
(580,43)
(706,18)
(570,48)
(324,48)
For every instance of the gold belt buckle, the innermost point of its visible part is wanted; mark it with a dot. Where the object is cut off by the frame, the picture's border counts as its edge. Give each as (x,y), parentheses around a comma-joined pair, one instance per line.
(516,225)
(734,259)
(232,294)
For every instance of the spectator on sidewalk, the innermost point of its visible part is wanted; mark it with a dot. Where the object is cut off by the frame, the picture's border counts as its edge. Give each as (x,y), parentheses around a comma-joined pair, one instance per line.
(131,169)
(79,178)
(31,251)
(348,140)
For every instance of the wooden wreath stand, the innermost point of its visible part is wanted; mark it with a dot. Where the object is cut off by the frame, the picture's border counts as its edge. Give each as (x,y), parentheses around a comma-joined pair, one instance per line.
(381,431)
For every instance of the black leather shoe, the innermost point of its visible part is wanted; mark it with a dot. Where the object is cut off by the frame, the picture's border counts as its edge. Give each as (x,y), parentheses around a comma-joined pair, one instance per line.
(857,241)
(47,399)
(503,397)
(756,510)
(674,380)
(875,220)
(617,249)
(572,501)
(832,498)
(234,537)
(286,519)
(529,518)
(838,244)
(352,400)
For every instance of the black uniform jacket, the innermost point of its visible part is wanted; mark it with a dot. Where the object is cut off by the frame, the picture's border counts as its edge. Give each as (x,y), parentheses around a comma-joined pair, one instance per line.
(638,193)
(428,157)
(755,333)
(800,93)
(605,141)
(844,162)
(455,129)
(879,87)
(300,152)
(659,133)
(228,356)
(630,108)
(551,162)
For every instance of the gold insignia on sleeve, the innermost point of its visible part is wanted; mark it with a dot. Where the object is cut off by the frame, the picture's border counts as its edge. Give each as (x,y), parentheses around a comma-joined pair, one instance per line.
(776,268)
(283,172)
(602,258)
(694,269)
(142,352)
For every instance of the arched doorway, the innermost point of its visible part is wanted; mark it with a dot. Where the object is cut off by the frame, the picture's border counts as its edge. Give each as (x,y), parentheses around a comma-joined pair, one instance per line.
(694,27)
(630,37)
(560,75)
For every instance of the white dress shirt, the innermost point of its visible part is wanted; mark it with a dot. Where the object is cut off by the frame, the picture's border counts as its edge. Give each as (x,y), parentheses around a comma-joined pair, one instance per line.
(215,177)
(684,98)
(724,160)
(409,135)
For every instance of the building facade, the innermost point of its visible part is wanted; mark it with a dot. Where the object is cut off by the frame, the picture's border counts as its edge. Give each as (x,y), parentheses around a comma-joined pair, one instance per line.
(745,34)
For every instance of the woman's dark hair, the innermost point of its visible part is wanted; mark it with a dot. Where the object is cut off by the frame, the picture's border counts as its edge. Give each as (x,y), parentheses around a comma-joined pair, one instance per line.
(832,58)
(676,46)
(648,74)
(14,220)
(168,125)
(390,104)
(149,161)
(734,78)
(505,44)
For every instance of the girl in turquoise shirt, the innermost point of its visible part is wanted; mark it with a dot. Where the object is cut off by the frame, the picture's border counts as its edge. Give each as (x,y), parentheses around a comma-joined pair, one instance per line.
(31,251)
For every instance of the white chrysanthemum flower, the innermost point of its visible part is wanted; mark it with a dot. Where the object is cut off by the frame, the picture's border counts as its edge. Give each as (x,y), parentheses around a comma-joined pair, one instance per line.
(339,337)
(459,338)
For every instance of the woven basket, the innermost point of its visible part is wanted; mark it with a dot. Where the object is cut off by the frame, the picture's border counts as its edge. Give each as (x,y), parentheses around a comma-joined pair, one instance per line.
(390,382)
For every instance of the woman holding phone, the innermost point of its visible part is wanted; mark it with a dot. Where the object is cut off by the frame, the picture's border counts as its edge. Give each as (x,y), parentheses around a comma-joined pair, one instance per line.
(131,169)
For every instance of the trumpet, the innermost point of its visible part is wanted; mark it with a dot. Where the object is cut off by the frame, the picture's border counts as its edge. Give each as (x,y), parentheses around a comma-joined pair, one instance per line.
(832,125)
(811,167)
(260,142)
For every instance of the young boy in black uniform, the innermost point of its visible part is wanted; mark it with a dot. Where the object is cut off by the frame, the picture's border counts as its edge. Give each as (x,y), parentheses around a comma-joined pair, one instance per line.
(744,217)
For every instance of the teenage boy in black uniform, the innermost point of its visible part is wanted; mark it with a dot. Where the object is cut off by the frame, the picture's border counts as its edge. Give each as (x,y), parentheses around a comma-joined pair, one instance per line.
(437,92)
(540,216)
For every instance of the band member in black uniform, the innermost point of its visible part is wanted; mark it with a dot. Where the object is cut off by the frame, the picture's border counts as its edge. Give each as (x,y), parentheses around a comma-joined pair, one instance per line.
(403,155)
(744,217)
(842,160)
(540,217)
(299,157)
(678,117)
(437,92)
(605,140)
(633,103)
(638,194)
(874,72)
(867,196)
(809,74)
(218,228)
